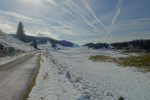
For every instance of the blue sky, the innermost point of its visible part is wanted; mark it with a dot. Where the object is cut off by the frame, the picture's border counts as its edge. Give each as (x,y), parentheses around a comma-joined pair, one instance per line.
(79,21)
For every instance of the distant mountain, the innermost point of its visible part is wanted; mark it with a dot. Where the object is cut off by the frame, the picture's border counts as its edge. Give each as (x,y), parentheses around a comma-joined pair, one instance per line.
(66,43)
(97,45)
(43,40)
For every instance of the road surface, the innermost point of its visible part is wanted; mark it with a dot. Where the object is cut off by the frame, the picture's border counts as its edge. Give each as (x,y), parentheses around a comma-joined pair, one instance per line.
(15,77)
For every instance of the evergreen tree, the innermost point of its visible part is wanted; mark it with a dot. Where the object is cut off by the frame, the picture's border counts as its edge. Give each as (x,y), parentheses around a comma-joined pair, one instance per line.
(20,32)
(35,43)
(1,32)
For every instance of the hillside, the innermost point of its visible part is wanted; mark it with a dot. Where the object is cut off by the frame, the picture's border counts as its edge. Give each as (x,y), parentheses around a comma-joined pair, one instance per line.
(44,40)
(13,42)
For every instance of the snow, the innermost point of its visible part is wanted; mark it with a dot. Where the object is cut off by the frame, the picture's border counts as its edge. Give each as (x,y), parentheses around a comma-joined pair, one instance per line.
(52,85)
(11,41)
(111,80)
(7,59)
(87,79)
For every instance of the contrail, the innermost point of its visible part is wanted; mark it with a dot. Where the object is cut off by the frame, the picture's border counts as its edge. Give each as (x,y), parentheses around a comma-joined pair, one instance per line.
(79,27)
(117,13)
(93,14)
(59,7)
(82,13)
(68,12)
(68,25)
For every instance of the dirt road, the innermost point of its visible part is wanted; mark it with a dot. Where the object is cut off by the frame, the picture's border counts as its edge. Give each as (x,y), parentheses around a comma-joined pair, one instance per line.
(15,77)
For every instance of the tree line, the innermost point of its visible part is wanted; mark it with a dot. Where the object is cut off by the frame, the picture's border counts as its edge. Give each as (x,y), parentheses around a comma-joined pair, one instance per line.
(20,34)
(135,44)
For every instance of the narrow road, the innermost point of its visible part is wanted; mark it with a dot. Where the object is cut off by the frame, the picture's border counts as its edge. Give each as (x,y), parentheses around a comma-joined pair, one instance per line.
(15,77)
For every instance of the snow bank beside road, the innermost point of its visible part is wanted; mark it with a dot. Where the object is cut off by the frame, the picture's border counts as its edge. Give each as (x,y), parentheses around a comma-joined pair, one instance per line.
(51,85)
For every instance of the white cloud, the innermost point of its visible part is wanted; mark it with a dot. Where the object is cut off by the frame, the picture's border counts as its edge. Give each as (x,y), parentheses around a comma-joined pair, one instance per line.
(47,34)
(7,28)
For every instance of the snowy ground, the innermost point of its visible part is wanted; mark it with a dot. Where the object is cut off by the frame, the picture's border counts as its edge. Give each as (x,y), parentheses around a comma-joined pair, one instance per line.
(7,59)
(52,84)
(88,79)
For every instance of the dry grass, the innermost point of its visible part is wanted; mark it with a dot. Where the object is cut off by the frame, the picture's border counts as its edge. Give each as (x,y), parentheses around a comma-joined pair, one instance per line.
(77,79)
(140,61)
(101,58)
(42,98)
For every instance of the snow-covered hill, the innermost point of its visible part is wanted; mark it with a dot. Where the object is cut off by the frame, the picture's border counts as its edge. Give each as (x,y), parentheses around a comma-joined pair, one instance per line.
(10,41)
(13,42)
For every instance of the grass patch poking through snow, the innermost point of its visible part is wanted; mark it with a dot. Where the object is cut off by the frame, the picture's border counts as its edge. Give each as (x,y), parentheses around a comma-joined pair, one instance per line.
(101,58)
(140,61)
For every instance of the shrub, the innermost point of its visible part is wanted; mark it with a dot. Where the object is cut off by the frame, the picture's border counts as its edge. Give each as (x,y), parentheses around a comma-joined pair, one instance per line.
(121,98)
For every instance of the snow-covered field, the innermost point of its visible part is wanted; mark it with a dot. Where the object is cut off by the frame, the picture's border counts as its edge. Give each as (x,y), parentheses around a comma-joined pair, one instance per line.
(72,76)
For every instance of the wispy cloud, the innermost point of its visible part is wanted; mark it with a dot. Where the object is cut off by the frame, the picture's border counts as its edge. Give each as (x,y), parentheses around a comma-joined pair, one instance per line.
(132,25)
(66,19)
(20,16)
